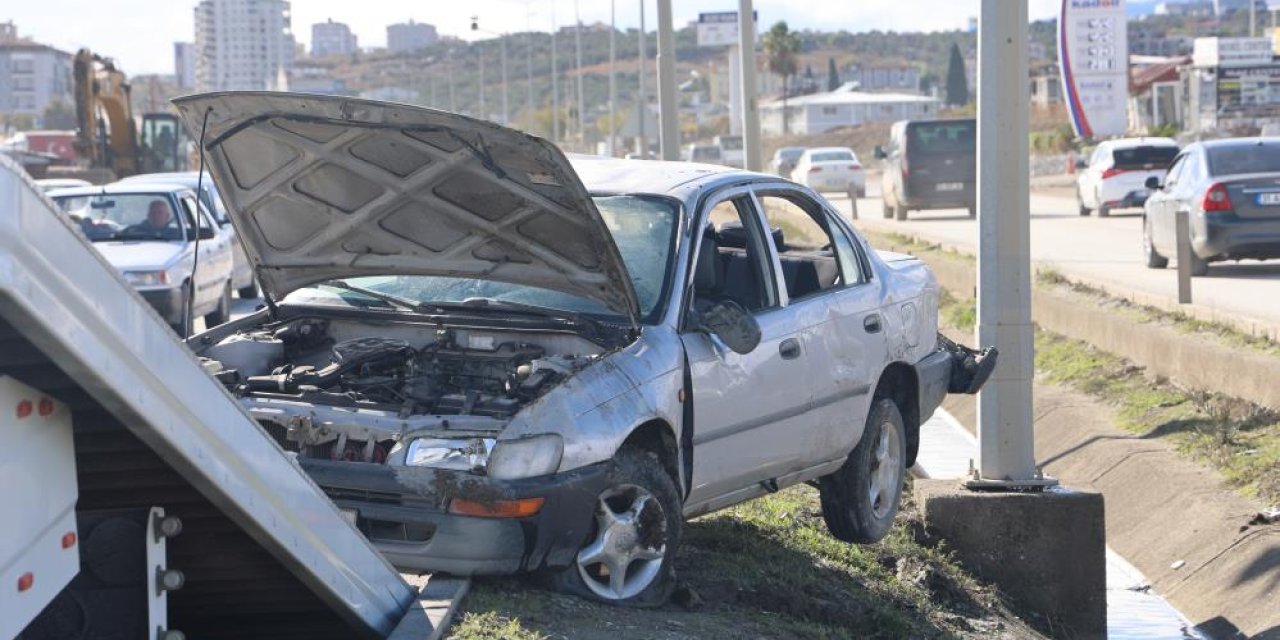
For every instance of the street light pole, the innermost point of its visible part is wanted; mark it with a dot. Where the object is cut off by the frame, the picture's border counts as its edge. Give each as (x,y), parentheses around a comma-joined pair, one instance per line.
(502,47)
(613,81)
(642,101)
(555,82)
(750,111)
(582,103)
(483,112)
(669,137)
(528,67)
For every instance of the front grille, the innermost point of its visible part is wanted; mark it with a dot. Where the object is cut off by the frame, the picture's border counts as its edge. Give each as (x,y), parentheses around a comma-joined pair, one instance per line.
(362,495)
(280,434)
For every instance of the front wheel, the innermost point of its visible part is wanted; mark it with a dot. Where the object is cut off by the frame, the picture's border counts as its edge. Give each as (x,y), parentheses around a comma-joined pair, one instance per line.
(861,498)
(900,212)
(1104,211)
(1084,211)
(249,291)
(1153,257)
(223,313)
(628,558)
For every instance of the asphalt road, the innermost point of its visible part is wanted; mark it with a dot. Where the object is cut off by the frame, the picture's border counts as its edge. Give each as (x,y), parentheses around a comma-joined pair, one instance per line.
(1098,250)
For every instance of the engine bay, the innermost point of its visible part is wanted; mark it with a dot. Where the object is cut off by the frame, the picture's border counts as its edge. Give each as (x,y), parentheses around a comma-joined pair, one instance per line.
(344,390)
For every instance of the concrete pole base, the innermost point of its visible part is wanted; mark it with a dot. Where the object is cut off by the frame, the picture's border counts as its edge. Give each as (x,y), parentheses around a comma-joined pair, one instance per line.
(1045,550)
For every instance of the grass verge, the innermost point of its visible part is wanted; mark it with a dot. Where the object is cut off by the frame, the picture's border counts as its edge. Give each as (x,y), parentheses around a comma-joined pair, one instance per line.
(768,568)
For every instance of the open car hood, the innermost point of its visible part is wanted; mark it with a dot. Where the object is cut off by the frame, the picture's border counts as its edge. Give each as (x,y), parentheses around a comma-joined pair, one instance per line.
(324,187)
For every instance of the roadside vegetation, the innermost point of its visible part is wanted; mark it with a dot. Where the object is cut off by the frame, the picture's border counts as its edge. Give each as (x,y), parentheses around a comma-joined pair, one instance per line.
(767,568)
(1239,439)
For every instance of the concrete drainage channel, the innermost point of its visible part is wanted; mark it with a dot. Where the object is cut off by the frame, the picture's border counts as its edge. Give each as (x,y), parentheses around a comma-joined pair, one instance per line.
(1134,610)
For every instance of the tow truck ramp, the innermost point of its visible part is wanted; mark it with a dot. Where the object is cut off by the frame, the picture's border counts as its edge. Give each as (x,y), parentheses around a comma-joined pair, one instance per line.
(258,551)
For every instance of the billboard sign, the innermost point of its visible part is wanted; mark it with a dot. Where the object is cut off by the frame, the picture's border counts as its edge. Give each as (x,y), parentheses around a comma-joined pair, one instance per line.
(1093,52)
(719,29)
(1249,91)
(1231,52)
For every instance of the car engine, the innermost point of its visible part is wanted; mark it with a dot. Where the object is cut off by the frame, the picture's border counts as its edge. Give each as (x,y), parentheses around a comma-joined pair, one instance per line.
(322,396)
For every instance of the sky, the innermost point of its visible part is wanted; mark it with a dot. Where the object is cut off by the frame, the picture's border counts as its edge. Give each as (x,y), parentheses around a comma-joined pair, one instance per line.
(140,34)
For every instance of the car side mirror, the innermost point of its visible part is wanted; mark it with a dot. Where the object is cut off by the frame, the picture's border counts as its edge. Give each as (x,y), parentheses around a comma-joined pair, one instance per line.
(733,324)
(1153,183)
(207,233)
(879,153)
(1081,164)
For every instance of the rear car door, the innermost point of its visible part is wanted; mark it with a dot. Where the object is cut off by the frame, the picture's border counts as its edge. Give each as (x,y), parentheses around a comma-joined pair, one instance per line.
(745,406)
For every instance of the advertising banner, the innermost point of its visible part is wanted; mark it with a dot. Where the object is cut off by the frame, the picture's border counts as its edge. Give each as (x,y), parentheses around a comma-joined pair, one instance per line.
(1093,53)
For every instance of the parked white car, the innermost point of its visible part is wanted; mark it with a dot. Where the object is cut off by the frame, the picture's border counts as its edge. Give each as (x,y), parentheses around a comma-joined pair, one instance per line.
(148,232)
(498,361)
(831,169)
(1116,174)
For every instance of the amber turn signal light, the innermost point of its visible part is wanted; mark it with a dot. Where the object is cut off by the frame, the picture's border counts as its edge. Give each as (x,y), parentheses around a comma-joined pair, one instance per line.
(522,508)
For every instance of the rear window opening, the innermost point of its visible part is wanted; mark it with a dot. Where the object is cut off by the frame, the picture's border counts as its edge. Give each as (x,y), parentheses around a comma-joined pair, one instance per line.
(947,136)
(1241,158)
(1149,157)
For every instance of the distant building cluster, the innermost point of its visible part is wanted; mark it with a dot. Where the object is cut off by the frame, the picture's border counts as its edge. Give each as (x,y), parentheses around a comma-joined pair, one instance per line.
(32,75)
(332,39)
(406,37)
(243,45)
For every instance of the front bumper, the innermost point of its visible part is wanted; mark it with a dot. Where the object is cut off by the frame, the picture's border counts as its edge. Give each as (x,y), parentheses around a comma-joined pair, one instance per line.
(1232,238)
(170,303)
(404,513)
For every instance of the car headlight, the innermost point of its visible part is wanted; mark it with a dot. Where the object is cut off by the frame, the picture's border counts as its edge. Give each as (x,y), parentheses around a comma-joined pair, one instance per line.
(526,457)
(147,278)
(441,453)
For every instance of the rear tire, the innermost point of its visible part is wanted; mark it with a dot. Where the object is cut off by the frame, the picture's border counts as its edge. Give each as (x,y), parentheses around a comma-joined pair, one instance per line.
(1197,265)
(886,209)
(223,313)
(900,212)
(641,495)
(1104,211)
(1084,211)
(248,292)
(1153,257)
(860,500)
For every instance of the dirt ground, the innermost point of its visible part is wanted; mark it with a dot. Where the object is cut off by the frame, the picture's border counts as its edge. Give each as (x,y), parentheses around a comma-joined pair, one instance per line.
(767,569)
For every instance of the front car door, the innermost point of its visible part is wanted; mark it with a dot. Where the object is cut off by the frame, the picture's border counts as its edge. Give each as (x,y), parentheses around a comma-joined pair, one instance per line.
(745,406)
(1161,212)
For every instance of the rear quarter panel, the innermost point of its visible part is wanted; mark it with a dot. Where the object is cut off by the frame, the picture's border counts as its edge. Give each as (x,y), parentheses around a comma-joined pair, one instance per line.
(909,303)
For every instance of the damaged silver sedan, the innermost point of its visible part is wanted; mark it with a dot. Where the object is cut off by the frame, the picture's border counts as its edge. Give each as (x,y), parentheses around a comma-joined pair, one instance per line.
(496,359)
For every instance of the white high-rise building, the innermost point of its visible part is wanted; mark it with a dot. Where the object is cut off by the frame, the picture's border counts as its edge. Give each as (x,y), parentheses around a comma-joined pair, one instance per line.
(332,38)
(184,64)
(410,36)
(243,45)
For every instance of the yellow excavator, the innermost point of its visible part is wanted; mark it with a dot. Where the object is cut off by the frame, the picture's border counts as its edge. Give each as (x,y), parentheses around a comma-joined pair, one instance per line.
(110,143)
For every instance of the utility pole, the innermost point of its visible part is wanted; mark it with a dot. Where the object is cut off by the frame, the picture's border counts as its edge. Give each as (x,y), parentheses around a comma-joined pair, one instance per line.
(750,111)
(1006,455)
(528,67)
(484,115)
(670,130)
(1253,18)
(453,94)
(582,104)
(502,45)
(613,81)
(642,102)
(555,82)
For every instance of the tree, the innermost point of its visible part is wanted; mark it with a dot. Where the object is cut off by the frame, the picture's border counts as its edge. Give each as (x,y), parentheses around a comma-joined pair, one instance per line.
(833,76)
(957,83)
(781,45)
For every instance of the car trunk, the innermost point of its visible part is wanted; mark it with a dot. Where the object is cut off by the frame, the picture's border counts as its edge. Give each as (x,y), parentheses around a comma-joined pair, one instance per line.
(1255,197)
(1135,164)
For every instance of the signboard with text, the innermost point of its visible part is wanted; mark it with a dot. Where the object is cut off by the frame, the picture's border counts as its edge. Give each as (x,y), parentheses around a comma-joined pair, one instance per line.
(1249,91)
(1093,52)
(719,29)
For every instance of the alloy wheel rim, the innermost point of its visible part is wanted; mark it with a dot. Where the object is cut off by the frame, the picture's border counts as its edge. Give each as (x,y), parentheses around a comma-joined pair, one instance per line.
(625,555)
(886,471)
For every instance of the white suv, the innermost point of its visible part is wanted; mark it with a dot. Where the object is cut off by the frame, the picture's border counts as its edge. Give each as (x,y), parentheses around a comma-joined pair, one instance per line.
(1116,174)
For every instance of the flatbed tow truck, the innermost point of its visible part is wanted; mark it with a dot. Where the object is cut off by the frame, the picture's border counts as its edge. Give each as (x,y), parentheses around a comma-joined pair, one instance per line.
(138,499)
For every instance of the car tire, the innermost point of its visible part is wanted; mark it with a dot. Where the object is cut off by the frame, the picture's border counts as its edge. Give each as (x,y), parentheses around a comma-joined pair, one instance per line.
(1084,211)
(1104,211)
(1153,257)
(900,212)
(862,192)
(637,485)
(853,207)
(861,498)
(249,291)
(886,209)
(223,313)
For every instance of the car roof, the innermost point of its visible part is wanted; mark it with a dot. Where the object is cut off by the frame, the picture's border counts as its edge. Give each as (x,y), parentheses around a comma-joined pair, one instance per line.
(118,188)
(657,177)
(187,178)
(1129,143)
(1238,142)
(814,150)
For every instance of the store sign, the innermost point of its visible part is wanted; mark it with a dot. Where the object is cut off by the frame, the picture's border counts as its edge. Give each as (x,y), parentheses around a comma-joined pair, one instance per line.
(1093,53)
(1231,52)
(719,29)
(1248,91)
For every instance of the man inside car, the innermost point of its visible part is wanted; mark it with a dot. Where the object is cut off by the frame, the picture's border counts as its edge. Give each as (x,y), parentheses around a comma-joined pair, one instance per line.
(158,224)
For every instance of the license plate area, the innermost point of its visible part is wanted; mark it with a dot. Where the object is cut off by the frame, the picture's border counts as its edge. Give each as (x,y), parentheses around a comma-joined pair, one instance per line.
(950,186)
(1269,199)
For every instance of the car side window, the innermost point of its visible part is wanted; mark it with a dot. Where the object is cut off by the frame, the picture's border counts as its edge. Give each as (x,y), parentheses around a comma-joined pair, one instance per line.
(732,261)
(1175,171)
(847,253)
(188,210)
(805,246)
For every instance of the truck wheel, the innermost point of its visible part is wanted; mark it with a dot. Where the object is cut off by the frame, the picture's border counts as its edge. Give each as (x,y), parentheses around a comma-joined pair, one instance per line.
(249,291)
(900,212)
(1154,259)
(861,498)
(629,557)
(223,313)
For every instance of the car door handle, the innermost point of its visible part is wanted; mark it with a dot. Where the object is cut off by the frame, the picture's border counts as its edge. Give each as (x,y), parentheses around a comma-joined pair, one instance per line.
(871,323)
(789,349)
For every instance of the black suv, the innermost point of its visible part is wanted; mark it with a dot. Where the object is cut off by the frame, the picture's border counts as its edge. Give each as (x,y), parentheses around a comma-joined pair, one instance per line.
(929,164)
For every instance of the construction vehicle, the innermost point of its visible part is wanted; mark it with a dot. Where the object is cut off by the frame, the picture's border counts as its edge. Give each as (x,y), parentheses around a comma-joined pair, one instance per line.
(110,143)
(140,500)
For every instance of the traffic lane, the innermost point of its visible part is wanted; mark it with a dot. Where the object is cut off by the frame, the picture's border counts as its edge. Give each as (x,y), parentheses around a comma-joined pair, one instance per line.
(1106,250)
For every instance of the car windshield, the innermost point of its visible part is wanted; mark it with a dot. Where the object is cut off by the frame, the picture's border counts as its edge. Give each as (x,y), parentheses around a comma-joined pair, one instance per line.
(1243,158)
(790,154)
(834,156)
(132,216)
(1146,157)
(953,136)
(706,153)
(643,228)
(731,143)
